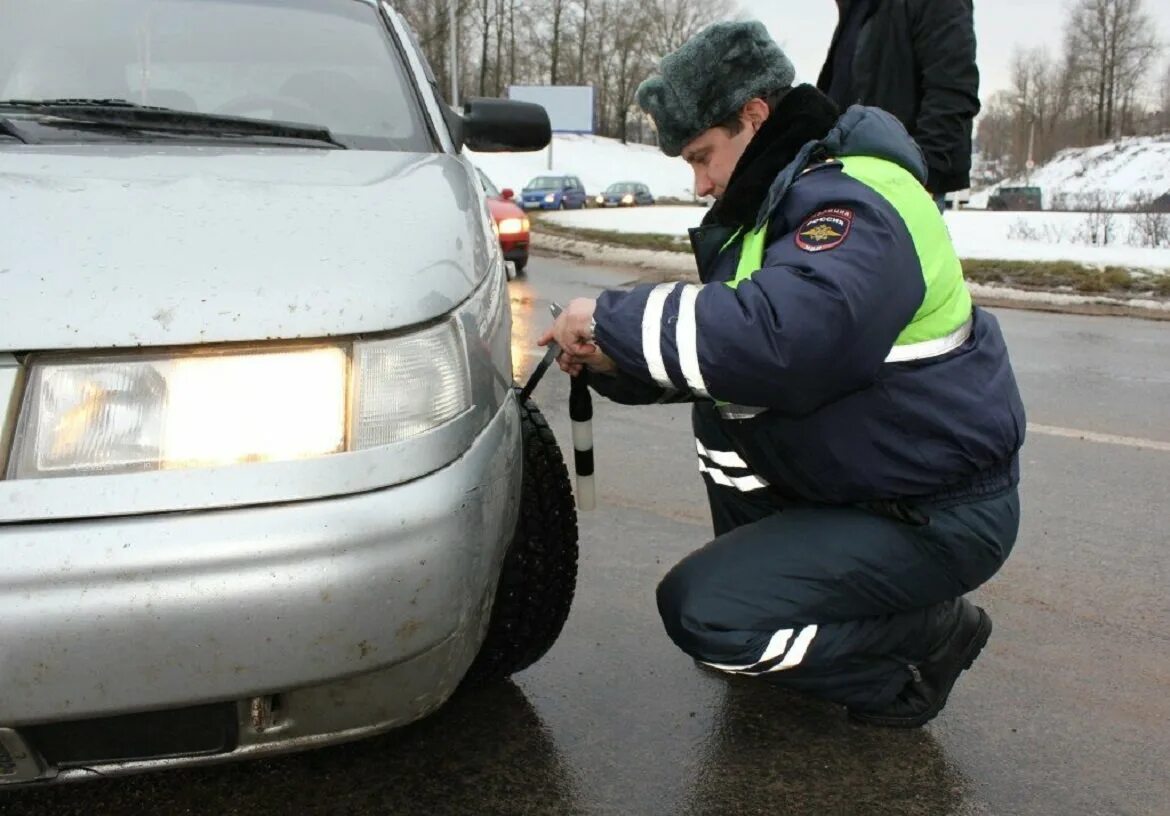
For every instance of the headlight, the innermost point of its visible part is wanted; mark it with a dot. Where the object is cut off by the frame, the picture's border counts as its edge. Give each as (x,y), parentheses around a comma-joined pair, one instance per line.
(627,199)
(600,199)
(511,226)
(550,198)
(118,416)
(127,414)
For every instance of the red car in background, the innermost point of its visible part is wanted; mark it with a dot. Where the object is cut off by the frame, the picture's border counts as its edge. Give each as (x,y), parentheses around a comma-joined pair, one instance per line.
(510,222)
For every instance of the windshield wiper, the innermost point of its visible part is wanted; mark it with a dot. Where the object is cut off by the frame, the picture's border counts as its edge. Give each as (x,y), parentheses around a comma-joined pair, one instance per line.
(122,114)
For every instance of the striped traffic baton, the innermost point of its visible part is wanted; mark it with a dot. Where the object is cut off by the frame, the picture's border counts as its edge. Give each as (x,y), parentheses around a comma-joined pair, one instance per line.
(581,414)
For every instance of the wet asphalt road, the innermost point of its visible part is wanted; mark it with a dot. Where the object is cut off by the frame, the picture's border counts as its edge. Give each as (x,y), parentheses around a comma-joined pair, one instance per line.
(1066,712)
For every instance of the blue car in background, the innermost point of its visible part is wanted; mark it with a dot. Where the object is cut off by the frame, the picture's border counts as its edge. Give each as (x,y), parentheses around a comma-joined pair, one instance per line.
(553,193)
(626,194)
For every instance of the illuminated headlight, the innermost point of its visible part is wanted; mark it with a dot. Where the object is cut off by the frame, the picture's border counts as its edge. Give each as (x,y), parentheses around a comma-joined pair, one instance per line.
(600,199)
(511,226)
(550,198)
(627,199)
(143,413)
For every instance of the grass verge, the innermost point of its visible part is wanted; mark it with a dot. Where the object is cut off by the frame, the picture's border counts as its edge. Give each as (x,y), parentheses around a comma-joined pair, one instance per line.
(632,240)
(1070,276)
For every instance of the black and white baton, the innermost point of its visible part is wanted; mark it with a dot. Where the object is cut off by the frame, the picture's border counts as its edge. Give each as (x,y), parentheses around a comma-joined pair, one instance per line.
(581,414)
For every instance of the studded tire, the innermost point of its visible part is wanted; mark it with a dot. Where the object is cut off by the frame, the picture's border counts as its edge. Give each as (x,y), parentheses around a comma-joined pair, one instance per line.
(539,573)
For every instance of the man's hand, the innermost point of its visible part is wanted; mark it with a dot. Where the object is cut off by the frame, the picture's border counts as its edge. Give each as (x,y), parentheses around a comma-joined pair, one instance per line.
(571,331)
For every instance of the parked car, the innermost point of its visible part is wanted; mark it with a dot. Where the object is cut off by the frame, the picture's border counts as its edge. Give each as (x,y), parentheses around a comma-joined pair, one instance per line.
(264,480)
(626,194)
(511,224)
(957,200)
(553,193)
(1015,198)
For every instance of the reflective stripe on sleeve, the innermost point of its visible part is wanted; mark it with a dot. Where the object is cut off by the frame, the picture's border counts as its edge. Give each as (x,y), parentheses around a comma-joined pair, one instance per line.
(688,340)
(652,333)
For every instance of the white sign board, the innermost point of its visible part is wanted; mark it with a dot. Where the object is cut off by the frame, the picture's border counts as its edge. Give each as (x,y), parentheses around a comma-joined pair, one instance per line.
(570,107)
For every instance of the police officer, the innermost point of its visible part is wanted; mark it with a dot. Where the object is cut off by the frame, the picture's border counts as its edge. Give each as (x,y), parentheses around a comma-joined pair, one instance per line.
(856,418)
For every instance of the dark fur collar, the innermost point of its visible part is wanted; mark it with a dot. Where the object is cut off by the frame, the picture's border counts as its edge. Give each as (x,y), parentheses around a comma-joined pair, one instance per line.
(803,115)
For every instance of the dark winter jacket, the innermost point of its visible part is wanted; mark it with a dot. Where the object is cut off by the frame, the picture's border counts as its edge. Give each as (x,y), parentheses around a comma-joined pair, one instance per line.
(916,59)
(794,373)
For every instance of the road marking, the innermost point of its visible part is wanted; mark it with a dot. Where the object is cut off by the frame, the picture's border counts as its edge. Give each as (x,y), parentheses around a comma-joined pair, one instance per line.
(1100,438)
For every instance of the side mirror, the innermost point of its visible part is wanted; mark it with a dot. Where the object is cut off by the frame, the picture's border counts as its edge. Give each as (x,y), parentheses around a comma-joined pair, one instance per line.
(502,125)
(507,194)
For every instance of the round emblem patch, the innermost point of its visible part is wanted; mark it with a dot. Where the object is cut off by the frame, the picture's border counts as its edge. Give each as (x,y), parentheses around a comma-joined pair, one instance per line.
(824,230)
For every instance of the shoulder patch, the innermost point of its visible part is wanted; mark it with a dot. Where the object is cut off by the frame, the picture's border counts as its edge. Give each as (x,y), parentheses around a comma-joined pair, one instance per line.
(825,229)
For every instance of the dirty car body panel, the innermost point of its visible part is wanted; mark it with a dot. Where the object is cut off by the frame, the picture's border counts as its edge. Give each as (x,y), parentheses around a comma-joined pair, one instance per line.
(258,604)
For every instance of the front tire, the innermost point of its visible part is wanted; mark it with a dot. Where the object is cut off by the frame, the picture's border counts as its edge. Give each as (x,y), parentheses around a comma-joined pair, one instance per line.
(539,574)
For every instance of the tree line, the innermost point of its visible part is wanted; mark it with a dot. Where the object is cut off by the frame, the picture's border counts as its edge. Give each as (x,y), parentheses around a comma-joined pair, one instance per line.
(612,45)
(1107,81)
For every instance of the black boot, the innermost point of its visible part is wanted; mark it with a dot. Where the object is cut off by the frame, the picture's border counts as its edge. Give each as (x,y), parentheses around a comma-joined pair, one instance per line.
(931,680)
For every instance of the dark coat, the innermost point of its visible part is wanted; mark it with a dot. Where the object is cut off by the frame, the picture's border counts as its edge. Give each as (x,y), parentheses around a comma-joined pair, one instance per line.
(916,59)
(806,336)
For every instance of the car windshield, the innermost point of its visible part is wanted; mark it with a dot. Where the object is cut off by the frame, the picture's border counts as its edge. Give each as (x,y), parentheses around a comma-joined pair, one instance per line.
(545,183)
(621,188)
(327,63)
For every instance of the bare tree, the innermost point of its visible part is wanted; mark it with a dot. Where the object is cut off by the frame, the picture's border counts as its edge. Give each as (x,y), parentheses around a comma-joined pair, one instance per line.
(612,45)
(1113,44)
(672,22)
(582,41)
(485,25)
(558,8)
(632,66)
(1164,97)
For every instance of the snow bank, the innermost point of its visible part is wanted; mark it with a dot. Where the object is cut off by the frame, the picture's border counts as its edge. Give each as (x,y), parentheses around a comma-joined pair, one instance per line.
(1013,236)
(1127,168)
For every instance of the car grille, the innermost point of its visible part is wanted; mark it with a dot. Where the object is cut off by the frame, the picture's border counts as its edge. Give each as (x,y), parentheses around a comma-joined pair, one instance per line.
(195,731)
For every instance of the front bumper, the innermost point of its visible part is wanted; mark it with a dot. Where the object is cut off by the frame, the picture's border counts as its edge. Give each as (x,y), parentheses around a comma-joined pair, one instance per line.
(514,246)
(356,614)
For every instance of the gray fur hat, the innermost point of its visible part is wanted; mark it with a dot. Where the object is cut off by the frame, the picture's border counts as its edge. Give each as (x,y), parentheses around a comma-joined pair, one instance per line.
(714,74)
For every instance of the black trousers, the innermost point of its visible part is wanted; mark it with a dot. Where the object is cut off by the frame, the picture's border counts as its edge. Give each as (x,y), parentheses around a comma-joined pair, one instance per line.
(838,602)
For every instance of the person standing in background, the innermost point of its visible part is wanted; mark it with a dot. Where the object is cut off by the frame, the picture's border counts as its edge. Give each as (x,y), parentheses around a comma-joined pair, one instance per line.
(916,60)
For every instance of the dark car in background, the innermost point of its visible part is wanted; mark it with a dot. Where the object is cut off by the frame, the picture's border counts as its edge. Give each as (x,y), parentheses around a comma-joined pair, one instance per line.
(626,194)
(510,223)
(553,193)
(1016,198)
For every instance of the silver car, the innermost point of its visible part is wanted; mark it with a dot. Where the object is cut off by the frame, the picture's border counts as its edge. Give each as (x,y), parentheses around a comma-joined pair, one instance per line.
(264,480)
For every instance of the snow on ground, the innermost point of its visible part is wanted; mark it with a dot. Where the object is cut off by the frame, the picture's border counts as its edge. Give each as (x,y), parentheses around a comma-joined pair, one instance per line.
(1125,169)
(1013,236)
(597,161)
(656,220)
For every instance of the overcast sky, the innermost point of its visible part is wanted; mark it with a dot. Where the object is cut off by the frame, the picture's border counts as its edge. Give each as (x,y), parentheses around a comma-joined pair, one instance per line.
(805,29)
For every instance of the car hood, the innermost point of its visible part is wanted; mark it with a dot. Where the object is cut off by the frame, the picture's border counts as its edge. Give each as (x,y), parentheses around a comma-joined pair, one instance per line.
(113,246)
(502,208)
